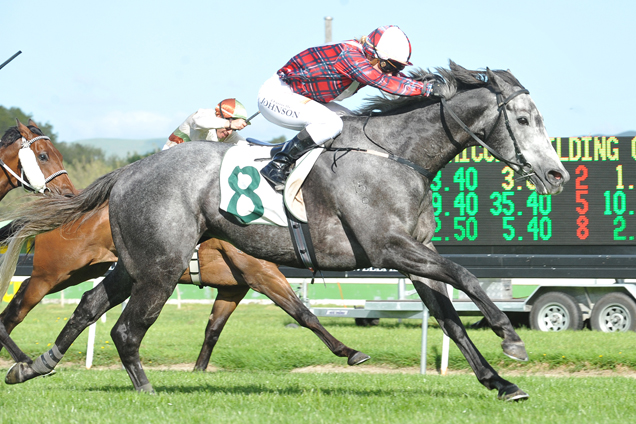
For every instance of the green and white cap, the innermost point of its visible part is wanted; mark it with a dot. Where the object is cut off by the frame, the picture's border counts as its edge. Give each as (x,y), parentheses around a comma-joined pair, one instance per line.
(231,109)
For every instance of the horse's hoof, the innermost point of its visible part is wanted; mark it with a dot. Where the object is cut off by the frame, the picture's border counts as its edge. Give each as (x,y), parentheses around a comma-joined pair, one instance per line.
(357,358)
(146,388)
(21,372)
(515,350)
(512,393)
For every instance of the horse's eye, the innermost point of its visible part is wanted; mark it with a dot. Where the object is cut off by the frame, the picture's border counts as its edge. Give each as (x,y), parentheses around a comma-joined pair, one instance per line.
(43,157)
(523,121)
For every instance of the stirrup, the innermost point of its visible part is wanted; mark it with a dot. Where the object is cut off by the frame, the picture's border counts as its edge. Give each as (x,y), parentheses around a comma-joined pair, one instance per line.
(276,176)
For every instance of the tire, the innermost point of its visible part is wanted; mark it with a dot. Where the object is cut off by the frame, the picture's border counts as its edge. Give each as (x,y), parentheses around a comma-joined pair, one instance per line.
(615,312)
(556,311)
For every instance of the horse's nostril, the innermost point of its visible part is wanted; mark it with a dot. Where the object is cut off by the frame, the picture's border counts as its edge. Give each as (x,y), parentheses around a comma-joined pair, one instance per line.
(557,176)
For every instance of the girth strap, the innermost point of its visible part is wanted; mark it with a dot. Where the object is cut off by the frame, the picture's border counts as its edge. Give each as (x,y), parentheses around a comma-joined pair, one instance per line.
(303,245)
(195,269)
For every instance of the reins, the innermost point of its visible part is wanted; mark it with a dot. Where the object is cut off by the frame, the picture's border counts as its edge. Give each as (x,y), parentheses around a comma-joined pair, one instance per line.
(22,180)
(523,167)
(388,155)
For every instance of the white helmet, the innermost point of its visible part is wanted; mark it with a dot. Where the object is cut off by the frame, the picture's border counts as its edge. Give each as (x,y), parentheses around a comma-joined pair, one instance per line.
(390,43)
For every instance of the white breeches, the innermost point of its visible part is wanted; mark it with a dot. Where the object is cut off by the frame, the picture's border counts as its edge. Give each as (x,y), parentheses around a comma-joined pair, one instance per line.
(280,105)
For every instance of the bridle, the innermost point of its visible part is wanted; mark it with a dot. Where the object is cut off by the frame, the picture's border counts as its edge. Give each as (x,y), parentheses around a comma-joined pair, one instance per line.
(522,166)
(22,179)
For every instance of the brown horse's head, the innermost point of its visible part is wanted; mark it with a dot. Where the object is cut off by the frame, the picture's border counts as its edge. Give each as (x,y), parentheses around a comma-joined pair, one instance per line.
(45,157)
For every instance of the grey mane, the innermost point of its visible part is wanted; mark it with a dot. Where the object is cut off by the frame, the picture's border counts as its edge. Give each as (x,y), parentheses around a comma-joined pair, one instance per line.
(456,78)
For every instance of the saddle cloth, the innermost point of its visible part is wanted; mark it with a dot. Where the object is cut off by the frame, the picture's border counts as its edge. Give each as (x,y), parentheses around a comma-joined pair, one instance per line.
(250,198)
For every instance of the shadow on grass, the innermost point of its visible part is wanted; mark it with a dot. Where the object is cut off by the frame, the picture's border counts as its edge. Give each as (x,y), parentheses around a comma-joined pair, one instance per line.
(435,391)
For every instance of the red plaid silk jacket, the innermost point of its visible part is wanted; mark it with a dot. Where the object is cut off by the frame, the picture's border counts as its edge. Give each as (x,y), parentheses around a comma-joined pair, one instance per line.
(323,73)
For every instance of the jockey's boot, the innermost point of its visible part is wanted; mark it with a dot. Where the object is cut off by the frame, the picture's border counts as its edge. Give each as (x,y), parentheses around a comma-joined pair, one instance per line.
(277,171)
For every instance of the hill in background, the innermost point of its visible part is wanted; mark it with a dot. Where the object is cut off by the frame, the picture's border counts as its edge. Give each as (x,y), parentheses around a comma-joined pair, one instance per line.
(123,147)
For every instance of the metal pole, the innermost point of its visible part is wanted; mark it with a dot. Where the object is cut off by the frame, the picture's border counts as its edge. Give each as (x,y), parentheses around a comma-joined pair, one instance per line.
(446,340)
(328,20)
(16,55)
(425,316)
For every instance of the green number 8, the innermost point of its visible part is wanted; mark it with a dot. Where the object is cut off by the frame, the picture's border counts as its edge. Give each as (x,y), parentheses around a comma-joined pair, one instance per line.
(247,192)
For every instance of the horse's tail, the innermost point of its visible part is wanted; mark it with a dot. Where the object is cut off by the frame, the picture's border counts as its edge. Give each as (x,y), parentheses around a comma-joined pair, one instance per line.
(7,229)
(48,213)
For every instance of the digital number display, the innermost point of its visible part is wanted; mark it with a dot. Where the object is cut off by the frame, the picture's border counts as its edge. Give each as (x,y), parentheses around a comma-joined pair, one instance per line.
(477,200)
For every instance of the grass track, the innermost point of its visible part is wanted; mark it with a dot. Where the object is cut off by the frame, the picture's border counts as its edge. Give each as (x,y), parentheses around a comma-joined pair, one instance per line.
(257,351)
(282,397)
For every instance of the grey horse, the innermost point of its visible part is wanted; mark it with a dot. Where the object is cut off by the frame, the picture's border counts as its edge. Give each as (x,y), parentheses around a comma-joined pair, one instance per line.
(364,210)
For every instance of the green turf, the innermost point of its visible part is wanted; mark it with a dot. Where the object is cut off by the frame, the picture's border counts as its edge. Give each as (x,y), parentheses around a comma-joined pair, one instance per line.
(257,351)
(75,396)
(257,338)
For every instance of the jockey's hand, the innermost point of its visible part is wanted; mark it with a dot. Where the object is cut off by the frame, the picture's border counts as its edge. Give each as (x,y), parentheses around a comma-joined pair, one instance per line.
(436,89)
(238,124)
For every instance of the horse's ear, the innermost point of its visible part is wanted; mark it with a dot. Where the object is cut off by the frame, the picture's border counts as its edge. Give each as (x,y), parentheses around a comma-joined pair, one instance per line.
(455,67)
(496,81)
(24,130)
(33,124)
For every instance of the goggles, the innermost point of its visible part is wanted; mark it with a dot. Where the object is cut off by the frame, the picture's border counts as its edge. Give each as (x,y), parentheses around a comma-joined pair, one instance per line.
(389,66)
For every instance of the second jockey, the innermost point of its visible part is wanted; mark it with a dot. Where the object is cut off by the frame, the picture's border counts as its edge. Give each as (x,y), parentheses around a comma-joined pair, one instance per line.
(216,124)
(301,95)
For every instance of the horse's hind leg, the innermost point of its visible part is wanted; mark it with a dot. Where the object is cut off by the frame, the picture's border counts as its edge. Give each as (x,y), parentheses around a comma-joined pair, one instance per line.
(434,295)
(113,290)
(225,303)
(283,296)
(147,298)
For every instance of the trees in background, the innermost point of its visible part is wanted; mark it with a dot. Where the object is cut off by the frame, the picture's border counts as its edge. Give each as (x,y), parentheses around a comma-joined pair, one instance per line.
(83,163)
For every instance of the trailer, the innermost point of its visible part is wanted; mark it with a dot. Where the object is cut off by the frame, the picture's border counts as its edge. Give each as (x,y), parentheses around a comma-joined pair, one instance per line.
(550,307)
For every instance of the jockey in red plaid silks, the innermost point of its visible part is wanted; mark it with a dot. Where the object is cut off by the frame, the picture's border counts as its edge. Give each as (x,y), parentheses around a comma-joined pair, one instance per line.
(301,95)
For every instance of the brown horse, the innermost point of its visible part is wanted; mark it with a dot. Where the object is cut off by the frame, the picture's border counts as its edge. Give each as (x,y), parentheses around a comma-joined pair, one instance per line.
(48,159)
(70,255)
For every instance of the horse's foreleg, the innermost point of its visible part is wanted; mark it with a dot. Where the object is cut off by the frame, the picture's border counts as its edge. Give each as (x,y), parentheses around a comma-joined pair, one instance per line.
(414,258)
(31,292)
(225,303)
(434,295)
(278,290)
(11,317)
(94,303)
(512,344)
(13,349)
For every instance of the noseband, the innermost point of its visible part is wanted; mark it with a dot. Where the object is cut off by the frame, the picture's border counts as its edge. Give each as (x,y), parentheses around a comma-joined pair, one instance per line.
(522,166)
(22,180)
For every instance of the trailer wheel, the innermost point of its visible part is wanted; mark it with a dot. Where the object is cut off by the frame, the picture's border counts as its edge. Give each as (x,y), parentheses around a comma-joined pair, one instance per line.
(613,313)
(556,311)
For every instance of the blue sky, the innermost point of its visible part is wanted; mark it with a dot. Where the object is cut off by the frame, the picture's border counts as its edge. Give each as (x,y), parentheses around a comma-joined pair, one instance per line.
(136,69)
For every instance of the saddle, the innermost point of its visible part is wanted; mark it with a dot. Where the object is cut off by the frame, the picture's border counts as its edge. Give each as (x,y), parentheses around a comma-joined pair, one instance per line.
(250,198)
